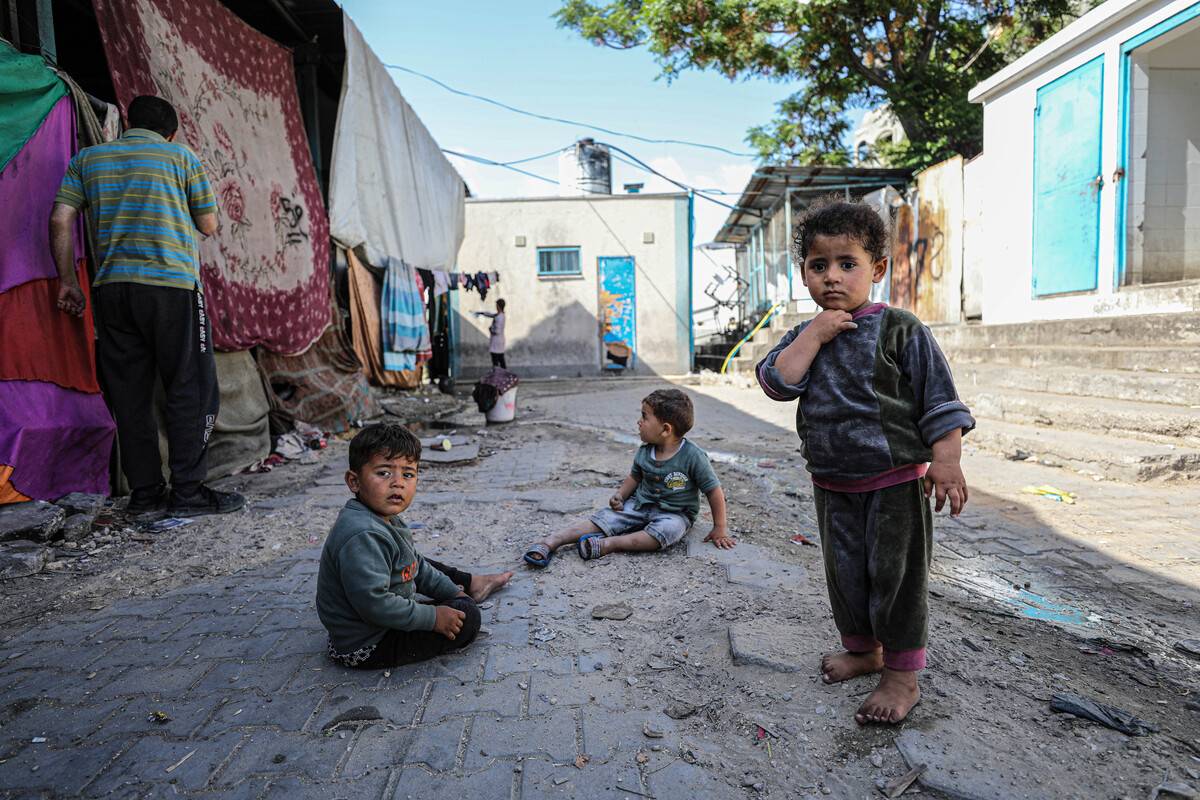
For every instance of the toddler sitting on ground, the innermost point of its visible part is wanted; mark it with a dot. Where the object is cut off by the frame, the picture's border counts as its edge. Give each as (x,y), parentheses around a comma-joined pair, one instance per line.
(657,503)
(370,570)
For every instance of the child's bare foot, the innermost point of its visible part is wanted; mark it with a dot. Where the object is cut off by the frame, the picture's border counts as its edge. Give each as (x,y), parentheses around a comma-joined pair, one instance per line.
(891,701)
(846,665)
(484,585)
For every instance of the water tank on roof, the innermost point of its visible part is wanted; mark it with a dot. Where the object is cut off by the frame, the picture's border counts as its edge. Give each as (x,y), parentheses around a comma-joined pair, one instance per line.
(584,168)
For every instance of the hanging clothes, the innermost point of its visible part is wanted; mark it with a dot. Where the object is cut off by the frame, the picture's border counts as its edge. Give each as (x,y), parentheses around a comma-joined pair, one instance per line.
(365,305)
(481,284)
(441,283)
(402,313)
(452,281)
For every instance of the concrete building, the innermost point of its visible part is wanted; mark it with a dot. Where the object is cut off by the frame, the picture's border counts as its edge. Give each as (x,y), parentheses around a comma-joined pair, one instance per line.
(879,126)
(593,283)
(1086,199)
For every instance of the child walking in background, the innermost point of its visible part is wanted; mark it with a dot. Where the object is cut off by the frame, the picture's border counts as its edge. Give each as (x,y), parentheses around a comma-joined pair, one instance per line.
(881,426)
(658,501)
(496,344)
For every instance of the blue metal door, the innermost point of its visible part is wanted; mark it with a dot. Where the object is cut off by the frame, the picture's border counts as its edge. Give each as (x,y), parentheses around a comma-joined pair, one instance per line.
(618,311)
(1067,181)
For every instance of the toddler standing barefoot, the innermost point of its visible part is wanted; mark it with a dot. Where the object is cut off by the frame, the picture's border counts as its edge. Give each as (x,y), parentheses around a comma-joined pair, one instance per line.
(882,428)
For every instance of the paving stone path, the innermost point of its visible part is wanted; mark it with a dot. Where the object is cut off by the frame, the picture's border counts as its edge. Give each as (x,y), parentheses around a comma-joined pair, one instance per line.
(225,688)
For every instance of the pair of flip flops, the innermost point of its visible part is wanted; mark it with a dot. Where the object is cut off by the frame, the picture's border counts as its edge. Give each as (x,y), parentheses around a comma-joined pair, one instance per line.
(539,555)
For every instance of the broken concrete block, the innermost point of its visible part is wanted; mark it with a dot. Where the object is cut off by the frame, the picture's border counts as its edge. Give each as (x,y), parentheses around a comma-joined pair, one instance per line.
(768,643)
(19,559)
(35,520)
(82,503)
(77,526)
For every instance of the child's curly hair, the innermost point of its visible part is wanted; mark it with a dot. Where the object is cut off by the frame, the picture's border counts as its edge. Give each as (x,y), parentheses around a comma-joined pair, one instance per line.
(672,407)
(387,439)
(832,216)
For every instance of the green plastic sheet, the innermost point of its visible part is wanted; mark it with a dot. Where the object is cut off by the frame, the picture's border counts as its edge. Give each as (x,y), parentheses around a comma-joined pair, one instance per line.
(28,90)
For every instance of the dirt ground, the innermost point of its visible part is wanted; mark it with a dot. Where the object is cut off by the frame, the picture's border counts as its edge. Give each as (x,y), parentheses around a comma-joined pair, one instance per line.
(985,720)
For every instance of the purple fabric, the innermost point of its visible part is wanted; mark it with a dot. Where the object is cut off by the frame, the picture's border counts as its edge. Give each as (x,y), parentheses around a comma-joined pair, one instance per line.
(29,183)
(56,440)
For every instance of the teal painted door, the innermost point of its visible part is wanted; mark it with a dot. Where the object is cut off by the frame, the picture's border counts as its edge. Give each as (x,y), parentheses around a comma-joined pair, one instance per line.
(1067,182)
(618,312)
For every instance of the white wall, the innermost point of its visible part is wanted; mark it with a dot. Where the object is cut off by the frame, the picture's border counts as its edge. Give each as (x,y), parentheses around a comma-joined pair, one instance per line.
(552,322)
(1005,176)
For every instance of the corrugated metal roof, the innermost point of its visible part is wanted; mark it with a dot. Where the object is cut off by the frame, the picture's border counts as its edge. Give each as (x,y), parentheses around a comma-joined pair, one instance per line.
(768,186)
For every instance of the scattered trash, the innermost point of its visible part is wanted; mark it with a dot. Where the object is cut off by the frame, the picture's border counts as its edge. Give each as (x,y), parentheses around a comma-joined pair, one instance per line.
(581,760)
(680,711)
(650,732)
(876,760)
(169,523)
(615,611)
(632,681)
(179,763)
(1108,716)
(767,463)
(544,634)
(161,717)
(800,538)
(898,786)
(1057,495)
(39,740)
(1189,647)
(661,666)
(642,758)
(1018,455)
(763,730)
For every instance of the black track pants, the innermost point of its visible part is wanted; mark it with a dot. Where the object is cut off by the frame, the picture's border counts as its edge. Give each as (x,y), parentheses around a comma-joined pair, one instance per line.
(148,332)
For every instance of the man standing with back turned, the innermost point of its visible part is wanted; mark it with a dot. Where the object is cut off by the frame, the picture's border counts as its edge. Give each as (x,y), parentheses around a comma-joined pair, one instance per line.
(146,195)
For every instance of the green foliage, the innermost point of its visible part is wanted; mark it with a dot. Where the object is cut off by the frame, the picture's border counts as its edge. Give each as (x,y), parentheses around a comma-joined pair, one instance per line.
(919,56)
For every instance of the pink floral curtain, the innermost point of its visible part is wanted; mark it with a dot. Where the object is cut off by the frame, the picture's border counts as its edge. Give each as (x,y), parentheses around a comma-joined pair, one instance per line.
(266,271)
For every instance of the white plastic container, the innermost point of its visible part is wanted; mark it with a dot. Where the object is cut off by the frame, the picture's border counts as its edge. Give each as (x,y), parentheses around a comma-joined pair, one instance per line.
(505,408)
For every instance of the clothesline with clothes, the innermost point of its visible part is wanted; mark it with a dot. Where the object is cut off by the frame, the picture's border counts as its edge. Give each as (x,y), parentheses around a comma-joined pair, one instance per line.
(407,294)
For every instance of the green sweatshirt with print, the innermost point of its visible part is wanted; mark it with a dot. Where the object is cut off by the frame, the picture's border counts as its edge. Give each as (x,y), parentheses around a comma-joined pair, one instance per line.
(369,572)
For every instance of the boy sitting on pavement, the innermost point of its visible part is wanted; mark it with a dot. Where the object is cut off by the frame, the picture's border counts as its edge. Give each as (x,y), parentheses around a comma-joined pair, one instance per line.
(657,503)
(370,569)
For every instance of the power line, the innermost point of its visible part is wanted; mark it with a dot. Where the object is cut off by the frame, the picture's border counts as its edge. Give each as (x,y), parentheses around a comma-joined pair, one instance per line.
(637,162)
(548,118)
(507,165)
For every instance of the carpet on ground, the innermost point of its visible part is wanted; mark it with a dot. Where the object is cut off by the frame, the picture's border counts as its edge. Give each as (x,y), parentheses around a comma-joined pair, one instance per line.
(266,271)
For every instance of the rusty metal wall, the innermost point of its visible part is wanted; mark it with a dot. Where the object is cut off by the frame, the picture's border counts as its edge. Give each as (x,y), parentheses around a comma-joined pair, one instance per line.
(927,249)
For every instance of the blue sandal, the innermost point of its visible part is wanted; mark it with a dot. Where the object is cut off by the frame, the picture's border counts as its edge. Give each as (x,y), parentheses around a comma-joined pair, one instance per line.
(538,555)
(589,546)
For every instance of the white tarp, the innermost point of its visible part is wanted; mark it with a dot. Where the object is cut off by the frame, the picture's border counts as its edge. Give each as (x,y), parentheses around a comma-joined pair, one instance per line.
(391,189)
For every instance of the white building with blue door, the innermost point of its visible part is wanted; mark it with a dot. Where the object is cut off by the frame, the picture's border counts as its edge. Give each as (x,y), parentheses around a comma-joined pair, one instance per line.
(1086,199)
(596,283)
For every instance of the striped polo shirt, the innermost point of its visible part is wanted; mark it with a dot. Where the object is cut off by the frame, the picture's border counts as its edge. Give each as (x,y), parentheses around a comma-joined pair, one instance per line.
(143,194)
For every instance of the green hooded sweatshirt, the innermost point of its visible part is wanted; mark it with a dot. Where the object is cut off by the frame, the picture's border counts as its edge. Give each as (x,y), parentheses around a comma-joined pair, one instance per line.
(370,571)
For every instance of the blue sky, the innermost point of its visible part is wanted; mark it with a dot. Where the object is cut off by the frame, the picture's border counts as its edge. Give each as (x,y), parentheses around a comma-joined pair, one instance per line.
(514,52)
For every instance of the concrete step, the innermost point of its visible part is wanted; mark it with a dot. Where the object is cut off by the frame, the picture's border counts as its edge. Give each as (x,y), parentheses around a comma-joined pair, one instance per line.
(1113,457)
(1154,330)
(1145,387)
(1163,360)
(1153,422)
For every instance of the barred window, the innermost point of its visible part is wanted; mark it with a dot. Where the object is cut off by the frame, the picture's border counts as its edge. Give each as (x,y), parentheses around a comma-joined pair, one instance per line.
(558,261)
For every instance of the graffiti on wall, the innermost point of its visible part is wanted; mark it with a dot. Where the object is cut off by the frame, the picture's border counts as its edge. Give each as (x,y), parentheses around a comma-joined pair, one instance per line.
(926,276)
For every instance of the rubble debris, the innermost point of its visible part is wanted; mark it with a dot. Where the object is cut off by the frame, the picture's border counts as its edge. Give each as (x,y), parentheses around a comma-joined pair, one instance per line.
(680,711)
(82,503)
(651,732)
(35,520)
(1108,716)
(581,760)
(898,786)
(614,611)
(1173,789)
(544,634)
(800,538)
(1189,647)
(21,559)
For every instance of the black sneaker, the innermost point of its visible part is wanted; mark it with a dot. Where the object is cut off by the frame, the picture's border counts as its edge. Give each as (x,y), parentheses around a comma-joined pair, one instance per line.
(204,501)
(148,501)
